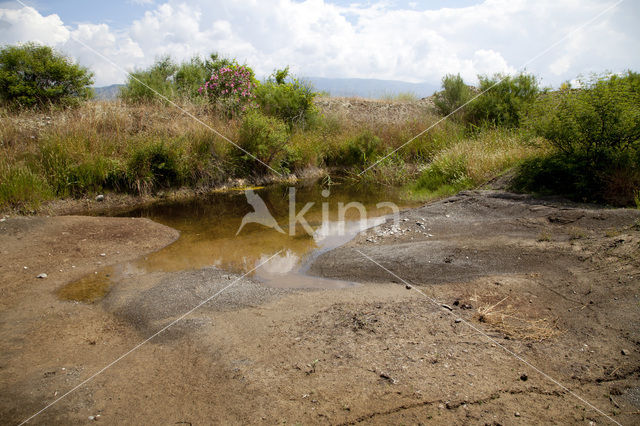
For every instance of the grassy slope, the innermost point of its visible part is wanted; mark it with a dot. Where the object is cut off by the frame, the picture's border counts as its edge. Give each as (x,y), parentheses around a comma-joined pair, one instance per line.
(139,149)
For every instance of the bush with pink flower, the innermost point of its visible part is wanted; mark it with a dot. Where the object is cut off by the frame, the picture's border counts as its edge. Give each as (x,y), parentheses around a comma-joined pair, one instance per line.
(231,89)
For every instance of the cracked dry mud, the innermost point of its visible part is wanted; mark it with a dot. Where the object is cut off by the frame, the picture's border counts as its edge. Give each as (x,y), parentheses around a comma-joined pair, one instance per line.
(555,283)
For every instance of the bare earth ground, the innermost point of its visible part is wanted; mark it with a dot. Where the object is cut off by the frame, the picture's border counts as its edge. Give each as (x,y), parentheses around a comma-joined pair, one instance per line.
(555,283)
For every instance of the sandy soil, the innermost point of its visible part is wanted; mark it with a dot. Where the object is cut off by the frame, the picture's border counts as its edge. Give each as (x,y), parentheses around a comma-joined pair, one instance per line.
(556,284)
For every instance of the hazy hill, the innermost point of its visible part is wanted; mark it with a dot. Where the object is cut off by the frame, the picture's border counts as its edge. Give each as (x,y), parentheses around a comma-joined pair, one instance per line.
(370,88)
(107,92)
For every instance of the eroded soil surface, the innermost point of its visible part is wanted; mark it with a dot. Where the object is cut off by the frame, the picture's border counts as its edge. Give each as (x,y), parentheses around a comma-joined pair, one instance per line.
(556,284)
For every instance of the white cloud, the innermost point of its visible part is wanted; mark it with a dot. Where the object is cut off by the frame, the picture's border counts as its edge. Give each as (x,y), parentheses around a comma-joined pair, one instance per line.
(372,41)
(560,65)
(25,24)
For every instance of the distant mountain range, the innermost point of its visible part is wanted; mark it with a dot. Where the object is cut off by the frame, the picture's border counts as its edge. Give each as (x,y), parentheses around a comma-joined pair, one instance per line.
(361,87)
(370,88)
(107,92)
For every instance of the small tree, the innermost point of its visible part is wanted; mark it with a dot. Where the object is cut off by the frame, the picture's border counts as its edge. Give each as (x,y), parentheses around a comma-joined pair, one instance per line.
(602,117)
(145,85)
(291,101)
(596,132)
(505,101)
(32,75)
(454,94)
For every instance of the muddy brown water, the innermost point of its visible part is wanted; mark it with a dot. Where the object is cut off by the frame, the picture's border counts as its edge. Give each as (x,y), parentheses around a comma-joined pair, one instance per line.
(212,234)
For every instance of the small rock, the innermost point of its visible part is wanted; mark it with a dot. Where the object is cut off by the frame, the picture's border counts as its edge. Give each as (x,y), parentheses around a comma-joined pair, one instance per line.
(3,219)
(524,377)
(43,275)
(103,254)
(92,417)
(458,320)
(516,414)
(408,287)
(447,307)
(25,267)
(624,352)
(99,197)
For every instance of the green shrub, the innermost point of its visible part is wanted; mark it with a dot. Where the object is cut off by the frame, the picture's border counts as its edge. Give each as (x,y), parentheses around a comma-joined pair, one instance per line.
(505,101)
(602,117)
(446,175)
(357,151)
(22,189)
(145,85)
(36,76)
(75,174)
(205,158)
(96,174)
(595,131)
(189,75)
(291,101)
(265,138)
(474,161)
(154,165)
(453,95)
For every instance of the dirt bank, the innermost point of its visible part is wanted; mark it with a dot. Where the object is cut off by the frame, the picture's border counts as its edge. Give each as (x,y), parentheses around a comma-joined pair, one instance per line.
(557,284)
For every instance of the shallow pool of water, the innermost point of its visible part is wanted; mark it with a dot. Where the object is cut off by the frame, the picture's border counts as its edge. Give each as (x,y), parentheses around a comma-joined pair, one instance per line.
(213,234)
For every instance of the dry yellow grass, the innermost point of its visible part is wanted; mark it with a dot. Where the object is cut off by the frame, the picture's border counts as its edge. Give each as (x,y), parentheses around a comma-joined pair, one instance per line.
(506,318)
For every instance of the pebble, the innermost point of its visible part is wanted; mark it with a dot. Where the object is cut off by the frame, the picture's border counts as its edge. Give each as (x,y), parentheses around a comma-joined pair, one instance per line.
(524,377)
(516,414)
(103,254)
(624,352)
(458,320)
(43,275)
(408,287)
(100,197)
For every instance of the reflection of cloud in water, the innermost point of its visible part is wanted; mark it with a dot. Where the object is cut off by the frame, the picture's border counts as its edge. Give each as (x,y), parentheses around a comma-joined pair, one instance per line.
(278,265)
(335,233)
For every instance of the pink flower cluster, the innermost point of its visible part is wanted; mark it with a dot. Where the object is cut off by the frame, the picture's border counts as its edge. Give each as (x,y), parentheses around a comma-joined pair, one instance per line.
(232,86)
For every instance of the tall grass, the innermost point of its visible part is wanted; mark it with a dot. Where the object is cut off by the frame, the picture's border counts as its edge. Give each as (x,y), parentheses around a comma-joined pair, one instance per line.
(113,146)
(472,161)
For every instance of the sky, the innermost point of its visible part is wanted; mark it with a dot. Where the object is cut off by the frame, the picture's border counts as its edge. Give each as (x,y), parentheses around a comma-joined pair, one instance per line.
(414,41)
